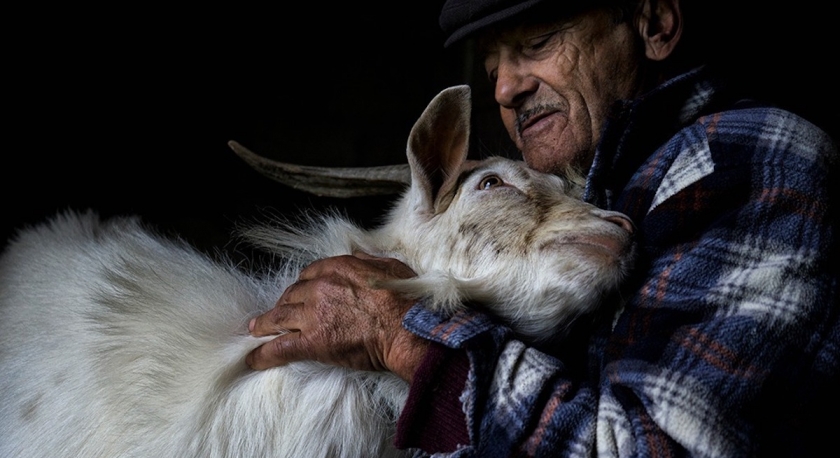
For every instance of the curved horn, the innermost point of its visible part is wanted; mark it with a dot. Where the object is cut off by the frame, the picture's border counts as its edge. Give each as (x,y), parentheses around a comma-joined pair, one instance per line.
(330,181)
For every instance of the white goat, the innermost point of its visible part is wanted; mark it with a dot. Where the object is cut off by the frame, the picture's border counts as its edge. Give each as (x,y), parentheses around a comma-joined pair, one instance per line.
(117,342)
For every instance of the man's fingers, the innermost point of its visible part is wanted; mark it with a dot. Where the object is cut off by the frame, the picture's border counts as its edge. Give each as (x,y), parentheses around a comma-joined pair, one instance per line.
(328,267)
(283,317)
(390,266)
(276,352)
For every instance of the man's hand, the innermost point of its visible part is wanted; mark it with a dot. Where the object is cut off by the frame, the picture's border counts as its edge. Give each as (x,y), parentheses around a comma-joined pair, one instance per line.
(335,316)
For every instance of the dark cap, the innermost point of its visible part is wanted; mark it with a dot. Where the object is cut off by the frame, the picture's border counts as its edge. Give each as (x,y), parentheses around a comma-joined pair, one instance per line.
(459,18)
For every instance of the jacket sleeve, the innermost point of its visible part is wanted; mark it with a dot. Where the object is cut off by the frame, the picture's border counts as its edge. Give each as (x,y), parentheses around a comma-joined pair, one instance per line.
(728,341)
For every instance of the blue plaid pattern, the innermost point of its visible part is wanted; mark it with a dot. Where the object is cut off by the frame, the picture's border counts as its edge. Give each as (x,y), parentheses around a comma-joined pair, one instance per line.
(727,344)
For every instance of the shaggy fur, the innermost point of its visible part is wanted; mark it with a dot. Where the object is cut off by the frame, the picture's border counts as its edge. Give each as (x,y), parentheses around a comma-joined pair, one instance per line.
(117,342)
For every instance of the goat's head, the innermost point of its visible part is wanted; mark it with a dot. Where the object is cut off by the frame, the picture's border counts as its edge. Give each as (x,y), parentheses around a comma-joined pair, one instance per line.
(500,234)
(497,234)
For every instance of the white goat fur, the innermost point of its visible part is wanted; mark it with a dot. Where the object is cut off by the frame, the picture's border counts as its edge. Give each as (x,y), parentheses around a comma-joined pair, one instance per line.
(118,342)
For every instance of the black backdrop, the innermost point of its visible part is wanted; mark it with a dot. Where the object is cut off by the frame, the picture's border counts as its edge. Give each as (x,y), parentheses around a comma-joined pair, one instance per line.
(129,111)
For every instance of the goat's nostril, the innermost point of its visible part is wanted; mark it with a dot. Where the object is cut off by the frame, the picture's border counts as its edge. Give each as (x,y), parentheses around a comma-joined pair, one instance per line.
(623,222)
(619,219)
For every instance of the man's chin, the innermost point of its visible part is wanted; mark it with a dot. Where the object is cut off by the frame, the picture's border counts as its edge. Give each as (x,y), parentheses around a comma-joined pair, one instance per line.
(554,152)
(548,155)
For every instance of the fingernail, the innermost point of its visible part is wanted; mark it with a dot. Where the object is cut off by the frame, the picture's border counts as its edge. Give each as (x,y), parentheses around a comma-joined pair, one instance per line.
(252,324)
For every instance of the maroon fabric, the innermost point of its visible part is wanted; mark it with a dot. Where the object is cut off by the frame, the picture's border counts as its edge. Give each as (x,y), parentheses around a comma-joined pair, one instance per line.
(433,419)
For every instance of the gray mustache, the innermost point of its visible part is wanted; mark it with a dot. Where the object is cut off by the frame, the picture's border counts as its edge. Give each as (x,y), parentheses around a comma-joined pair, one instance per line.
(524,116)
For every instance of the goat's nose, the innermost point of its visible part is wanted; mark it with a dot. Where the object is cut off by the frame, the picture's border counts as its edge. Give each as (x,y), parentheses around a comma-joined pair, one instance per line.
(619,219)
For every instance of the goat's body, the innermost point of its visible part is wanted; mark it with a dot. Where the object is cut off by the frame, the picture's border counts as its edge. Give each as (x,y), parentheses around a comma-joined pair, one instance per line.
(133,345)
(118,342)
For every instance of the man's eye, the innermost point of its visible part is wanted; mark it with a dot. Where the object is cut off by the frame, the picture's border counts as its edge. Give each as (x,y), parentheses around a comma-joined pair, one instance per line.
(537,43)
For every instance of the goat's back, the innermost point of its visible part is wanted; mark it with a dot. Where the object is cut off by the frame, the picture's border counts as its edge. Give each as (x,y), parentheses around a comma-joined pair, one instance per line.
(115,341)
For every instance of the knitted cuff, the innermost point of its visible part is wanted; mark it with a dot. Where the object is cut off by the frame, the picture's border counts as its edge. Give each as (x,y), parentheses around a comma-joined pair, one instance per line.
(433,419)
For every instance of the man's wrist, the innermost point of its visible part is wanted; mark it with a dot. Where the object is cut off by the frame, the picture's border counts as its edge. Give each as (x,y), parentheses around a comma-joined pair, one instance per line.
(406,354)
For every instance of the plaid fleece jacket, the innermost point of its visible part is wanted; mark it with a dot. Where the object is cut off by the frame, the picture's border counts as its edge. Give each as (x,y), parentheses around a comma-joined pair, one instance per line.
(728,343)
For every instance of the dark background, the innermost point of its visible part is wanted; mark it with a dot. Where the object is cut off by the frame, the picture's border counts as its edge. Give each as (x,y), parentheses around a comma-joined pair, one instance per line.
(129,111)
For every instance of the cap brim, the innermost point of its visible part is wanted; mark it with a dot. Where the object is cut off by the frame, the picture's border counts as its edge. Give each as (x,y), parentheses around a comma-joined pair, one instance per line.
(492,19)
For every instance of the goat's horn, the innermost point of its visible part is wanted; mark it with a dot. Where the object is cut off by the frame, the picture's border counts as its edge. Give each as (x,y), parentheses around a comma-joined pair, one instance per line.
(330,181)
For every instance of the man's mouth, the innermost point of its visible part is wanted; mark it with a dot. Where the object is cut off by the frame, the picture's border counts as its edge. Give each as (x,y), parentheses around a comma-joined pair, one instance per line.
(528,119)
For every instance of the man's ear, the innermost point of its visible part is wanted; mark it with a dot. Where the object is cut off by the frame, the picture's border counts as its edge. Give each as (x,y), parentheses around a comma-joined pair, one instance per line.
(660,27)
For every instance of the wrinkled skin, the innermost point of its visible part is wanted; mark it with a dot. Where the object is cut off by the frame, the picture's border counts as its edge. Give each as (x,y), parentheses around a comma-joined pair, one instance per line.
(316,309)
(554,83)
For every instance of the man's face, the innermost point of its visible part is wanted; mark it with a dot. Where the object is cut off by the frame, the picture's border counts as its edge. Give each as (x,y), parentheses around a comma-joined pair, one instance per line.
(555,82)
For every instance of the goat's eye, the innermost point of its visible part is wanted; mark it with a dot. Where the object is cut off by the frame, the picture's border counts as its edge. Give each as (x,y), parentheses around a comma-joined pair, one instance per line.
(490,181)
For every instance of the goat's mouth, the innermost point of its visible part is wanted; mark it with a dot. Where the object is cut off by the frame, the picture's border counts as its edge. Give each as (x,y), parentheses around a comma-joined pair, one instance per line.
(598,247)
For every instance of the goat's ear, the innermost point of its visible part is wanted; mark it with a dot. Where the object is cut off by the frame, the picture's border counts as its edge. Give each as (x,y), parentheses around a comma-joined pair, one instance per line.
(438,145)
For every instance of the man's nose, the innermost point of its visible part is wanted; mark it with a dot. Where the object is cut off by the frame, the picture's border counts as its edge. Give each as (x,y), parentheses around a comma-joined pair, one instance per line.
(514,83)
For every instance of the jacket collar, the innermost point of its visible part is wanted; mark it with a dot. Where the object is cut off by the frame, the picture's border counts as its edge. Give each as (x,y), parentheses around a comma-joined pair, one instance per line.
(636,128)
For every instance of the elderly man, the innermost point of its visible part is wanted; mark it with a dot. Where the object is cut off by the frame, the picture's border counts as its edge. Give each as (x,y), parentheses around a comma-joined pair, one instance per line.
(727,344)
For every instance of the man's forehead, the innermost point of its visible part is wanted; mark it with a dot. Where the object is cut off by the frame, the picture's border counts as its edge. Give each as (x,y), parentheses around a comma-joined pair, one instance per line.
(512,32)
(517,29)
